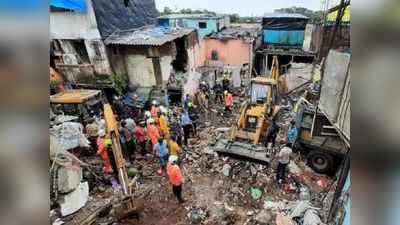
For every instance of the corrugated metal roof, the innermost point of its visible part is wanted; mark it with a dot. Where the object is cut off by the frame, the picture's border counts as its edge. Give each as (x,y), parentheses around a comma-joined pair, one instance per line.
(235,32)
(154,36)
(191,16)
(284,15)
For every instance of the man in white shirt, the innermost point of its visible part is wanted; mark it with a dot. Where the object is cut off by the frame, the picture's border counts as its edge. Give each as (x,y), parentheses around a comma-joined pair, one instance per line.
(283,160)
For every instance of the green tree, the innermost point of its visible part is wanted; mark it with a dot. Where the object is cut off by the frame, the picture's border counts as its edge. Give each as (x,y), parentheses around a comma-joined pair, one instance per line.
(167,11)
(315,16)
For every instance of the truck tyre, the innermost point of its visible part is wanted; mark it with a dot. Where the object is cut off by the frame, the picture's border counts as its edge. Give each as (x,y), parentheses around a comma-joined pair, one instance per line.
(320,162)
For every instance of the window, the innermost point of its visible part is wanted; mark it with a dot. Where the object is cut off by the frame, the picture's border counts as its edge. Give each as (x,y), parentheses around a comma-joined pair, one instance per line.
(214,55)
(96,48)
(202,25)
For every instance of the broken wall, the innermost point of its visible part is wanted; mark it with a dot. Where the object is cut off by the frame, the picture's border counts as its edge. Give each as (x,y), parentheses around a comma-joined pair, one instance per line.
(141,66)
(335,91)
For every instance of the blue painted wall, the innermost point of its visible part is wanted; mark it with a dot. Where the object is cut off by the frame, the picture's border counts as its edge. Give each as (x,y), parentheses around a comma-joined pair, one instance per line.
(163,22)
(284,37)
(194,23)
(212,24)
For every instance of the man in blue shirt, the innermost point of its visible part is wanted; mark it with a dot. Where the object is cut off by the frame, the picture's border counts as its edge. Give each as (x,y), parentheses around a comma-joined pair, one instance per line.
(161,150)
(292,133)
(186,124)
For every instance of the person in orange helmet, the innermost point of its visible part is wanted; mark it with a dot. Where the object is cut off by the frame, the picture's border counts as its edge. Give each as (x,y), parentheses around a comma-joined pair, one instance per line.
(102,151)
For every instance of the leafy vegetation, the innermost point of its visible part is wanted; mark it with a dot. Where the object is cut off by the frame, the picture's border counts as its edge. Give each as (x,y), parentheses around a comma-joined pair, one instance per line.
(120,82)
(315,16)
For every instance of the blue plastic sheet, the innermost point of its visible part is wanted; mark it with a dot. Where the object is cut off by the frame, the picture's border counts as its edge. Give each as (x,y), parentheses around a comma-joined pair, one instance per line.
(77,5)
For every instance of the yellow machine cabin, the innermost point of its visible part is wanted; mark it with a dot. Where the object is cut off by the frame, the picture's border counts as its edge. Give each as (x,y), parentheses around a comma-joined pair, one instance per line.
(254,113)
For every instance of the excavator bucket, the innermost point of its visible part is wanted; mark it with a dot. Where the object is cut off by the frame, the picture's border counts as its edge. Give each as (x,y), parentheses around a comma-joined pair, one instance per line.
(242,150)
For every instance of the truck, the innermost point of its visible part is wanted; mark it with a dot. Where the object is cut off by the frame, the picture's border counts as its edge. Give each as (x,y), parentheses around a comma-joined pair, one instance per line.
(324,129)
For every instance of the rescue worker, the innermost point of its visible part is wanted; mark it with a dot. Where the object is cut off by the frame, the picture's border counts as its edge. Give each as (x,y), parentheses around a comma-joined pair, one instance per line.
(205,89)
(153,133)
(225,83)
(161,151)
(273,130)
(164,126)
(110,154)
(292,133)
(228,101)
(102,152)
(186,101)
(194,116)
(186,124)
(127,141)
(173,147)
(283,160)
(175,177)
(219,92)
(140,135)
(130,124)
(119,106)
(155,109)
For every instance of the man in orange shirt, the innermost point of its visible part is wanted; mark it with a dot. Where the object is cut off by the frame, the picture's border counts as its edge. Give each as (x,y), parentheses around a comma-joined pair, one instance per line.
(102,152)
(175,177)
(228,101)
(153,133)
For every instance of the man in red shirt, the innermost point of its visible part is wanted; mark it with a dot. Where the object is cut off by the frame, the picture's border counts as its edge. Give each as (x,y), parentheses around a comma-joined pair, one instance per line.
(140,135)
(175,177)
(228,101)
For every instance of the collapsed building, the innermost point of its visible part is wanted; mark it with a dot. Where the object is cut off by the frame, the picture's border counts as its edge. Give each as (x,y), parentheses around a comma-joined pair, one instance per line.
(78,30)
(149,55)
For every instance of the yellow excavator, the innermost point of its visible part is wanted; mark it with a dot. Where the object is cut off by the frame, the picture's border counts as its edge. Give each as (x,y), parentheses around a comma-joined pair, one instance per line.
(126,206)
(252,123)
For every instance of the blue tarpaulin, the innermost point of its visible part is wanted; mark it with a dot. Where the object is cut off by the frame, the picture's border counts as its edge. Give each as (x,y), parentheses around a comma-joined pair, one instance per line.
(77,5)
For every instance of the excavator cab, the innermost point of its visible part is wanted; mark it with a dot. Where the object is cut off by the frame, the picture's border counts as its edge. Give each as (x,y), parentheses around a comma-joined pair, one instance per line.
(252,123)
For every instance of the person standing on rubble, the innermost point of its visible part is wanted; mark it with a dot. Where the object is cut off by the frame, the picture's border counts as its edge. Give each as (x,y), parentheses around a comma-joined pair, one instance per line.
(173,147)
(152,132)
(155,109)
(127,141)
(273,130)
(283,160)
(292,133)
(225,83)
(194,116)
(186,124)
(175,177)
(102,151)
(219,92)
(164,127)
(119,106)
(140,135)
(161,150)
(228,101)
(186,101)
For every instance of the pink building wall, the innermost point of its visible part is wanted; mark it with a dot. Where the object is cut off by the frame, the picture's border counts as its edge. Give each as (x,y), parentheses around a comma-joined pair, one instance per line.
(232,51)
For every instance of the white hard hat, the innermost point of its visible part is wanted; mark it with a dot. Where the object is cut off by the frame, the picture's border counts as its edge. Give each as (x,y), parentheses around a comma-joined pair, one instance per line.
(151,120)
(173,159)
(203,82)
(101,133)
(163,109)
(147,113)
(154,102)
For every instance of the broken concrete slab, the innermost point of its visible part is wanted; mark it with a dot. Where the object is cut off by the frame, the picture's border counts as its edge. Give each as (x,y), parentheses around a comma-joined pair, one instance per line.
(69,178)
(311,218)
(281,219)
(226,170)
(264,217)
(74,200)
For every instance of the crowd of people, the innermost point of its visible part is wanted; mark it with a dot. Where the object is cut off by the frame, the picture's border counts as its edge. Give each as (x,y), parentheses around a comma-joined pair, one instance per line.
(164,132)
